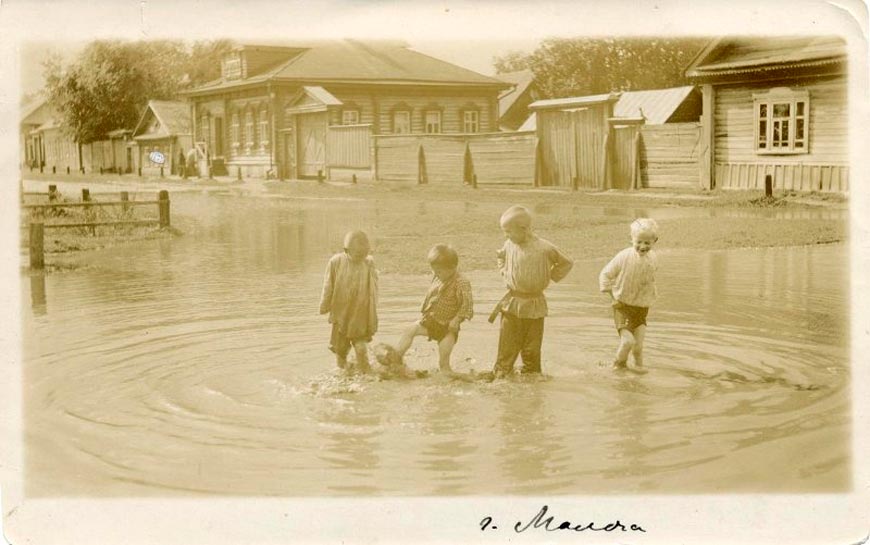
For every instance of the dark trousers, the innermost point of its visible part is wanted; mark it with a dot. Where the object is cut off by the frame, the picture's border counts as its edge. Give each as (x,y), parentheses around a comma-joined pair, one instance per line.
(519,336)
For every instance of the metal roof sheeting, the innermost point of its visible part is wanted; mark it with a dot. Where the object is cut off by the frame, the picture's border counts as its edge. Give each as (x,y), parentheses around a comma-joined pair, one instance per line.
(656,105)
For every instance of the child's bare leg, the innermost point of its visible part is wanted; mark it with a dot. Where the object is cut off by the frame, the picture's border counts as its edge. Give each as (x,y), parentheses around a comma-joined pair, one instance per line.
(626,344)
(445,348)
(637,351)
(362,356)
(407,338)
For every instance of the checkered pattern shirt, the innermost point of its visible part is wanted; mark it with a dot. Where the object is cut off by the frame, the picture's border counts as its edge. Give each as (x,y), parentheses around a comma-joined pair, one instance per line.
(447,300)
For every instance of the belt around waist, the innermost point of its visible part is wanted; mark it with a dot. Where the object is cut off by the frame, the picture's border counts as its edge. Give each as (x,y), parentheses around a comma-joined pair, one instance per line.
(510,293)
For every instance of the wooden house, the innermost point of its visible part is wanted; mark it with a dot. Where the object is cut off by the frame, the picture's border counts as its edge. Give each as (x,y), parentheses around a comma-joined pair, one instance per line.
(774,107)
(513,104)
(32,146)
(299,111)
(164,128)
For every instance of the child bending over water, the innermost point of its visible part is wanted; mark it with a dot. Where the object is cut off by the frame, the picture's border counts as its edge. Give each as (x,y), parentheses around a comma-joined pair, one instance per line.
(629,279)
(350,295)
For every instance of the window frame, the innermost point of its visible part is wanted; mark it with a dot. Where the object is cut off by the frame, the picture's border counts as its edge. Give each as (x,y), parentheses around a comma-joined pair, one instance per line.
(263,128)
(350,112)
(249,130)
(407,114)
(235,131)
(426,121)
(465,121)
(764,111)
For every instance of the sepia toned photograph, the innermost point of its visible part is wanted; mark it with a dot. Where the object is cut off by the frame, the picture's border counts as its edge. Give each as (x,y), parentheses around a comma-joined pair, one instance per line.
(372,267)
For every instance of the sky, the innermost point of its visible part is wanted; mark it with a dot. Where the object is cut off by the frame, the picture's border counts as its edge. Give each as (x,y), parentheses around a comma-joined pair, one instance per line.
(476,56)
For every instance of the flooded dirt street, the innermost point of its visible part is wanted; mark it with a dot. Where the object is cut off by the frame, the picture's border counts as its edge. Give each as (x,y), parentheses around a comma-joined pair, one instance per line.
(199,364)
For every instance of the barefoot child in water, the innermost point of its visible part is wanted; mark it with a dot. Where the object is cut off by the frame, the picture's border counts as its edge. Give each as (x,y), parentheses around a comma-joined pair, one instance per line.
(527,264)
(350,295)
(629,279)
(447,304)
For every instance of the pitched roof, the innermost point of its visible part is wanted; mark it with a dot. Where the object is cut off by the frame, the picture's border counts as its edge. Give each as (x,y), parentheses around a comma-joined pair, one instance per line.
(174,118)
(572,102)
(726,56)
(362,62)
(656,105)
(521,80)
(36,112)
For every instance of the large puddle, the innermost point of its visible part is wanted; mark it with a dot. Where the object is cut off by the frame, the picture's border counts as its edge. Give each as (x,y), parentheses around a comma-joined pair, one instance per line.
(199,365)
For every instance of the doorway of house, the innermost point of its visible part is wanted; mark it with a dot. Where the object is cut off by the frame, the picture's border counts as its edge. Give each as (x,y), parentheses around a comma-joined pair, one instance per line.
(311,144)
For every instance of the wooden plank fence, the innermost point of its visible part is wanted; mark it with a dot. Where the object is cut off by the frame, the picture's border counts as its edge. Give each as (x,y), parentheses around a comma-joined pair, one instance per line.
(826,178)
(37,224)
(669,155)
(490,158)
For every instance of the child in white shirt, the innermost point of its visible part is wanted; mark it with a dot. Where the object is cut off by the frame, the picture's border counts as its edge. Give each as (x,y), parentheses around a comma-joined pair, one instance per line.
(629,279)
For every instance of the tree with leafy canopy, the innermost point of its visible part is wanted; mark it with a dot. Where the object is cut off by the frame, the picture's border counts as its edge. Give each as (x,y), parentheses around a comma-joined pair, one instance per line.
(111,81)
(588,66)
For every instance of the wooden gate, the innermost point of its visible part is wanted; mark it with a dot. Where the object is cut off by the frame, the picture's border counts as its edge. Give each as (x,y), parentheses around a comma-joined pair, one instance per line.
(626,157)
(311,143)
(573,144)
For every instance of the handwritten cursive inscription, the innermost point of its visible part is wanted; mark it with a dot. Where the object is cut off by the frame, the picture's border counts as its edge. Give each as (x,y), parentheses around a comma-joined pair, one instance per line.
(549,524)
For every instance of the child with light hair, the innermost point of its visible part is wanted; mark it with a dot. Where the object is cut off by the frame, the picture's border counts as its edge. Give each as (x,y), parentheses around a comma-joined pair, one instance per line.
(527,264)
(629,279)
(350,295)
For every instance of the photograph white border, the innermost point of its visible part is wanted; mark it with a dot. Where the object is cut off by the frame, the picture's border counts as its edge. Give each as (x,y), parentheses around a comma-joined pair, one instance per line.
(714,518)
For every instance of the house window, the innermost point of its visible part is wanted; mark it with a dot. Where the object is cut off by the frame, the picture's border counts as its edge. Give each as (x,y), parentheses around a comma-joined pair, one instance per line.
(234,131)
(264,129)
(470,121)
(402,122)
(782,122)
(350,117)
(232,67)
(433,122)
(249,131)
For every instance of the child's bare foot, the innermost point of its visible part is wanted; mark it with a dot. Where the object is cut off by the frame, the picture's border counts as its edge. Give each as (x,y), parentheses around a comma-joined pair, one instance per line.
(341,362)
(620,366)
(639,370)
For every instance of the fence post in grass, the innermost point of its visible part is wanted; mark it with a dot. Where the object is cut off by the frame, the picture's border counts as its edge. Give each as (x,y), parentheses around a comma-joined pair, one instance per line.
(52,193)
(54,169)
(474,181)
(467,166)
(164,208)
(67,170)
(768,186)
(575,183)
(37,239)
(86,197)
(125,197)
(239,174)
(353,179)
(421,165)
(320,176)
(161,171)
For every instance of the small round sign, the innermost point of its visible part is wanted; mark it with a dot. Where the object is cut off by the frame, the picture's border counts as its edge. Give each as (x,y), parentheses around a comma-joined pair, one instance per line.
(157,157)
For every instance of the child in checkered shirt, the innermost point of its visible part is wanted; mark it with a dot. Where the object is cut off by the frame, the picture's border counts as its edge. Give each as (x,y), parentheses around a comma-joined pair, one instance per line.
(447,304)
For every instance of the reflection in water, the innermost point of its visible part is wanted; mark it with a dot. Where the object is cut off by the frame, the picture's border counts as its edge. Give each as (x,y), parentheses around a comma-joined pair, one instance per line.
(37,294)
(187,365)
